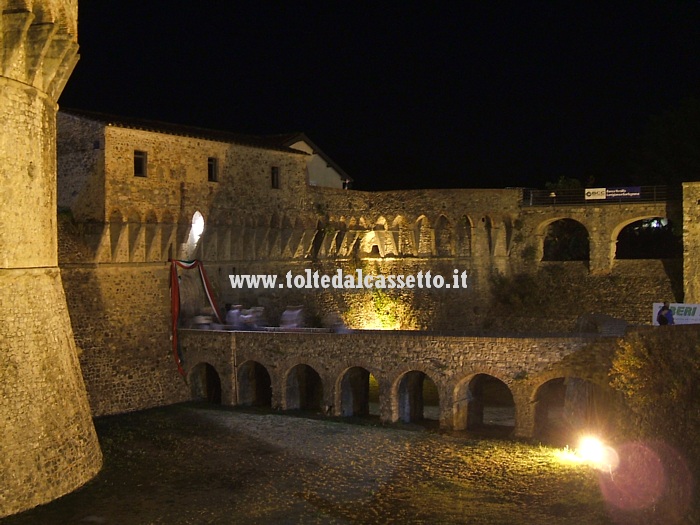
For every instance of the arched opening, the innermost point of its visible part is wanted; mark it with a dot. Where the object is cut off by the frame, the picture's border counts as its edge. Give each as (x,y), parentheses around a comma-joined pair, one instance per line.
(340,235)
(550,425)
(354,392)
(464,236)
(254,385)
(196,230)
(565,407)
(304,389)
(167,247)
(487,225)
(134,229)
(566,240)
(404,236)
(318,239)
(490,405)
(418,398)
(424,237)
(443,237)
(205,384)
(115,231)
(652,238)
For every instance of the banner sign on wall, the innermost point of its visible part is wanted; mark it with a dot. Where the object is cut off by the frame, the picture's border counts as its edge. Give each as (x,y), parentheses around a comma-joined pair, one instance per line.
(629,192)
(683,313)
(595,193)
(626,192)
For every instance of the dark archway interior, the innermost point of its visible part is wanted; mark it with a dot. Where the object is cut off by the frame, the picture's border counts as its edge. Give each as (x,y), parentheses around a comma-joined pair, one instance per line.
(304,389)
(550,423)
(354,396)
(254,385)
(653,238)
(568,407)
(205,384)
(490,405)
(418,398)
(411,397)
(566,240)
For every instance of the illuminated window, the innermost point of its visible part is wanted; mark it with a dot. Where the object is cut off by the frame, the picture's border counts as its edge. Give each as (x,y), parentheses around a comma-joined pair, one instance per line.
(275,177)
(213,169)
(140,163)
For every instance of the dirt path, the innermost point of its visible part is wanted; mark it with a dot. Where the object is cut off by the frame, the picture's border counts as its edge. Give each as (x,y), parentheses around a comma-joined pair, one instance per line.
(196,465)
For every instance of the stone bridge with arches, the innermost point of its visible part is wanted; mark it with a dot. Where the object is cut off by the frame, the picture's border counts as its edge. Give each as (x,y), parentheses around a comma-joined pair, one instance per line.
(603,224)
(462,382)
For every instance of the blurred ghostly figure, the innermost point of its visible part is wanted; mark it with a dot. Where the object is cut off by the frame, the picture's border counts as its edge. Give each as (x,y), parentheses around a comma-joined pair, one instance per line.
(233,317)
(293,317)
(252,319)
(334,322)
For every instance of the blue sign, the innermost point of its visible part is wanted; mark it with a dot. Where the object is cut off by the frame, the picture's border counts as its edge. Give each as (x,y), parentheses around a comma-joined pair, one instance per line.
(627,192)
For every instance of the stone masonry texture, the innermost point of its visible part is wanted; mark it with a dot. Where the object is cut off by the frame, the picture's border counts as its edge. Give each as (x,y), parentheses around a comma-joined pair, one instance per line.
(48,445)
(106,312)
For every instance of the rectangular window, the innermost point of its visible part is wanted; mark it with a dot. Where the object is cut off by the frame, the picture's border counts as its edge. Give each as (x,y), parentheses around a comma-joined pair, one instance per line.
(213,169)
(275,178)
(140,163)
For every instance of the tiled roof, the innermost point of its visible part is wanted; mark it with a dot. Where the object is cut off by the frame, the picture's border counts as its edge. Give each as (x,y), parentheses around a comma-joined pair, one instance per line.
(273,142)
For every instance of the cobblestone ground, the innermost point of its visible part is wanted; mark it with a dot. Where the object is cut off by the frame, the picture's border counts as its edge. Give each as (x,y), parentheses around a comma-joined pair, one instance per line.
(190,464)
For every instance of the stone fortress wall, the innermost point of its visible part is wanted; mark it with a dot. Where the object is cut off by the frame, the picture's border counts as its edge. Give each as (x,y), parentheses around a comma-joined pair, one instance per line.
(118,231)
(48,445)
(95,297)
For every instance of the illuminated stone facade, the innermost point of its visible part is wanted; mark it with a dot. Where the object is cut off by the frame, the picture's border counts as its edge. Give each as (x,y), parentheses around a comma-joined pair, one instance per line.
(118,231)
(127,194)
(48,445)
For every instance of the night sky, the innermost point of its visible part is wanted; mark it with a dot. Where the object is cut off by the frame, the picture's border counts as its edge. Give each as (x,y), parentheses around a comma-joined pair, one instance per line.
(401,94)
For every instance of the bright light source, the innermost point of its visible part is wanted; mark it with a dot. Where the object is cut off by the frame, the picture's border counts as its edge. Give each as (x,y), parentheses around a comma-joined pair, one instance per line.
(197,226)
(592,450)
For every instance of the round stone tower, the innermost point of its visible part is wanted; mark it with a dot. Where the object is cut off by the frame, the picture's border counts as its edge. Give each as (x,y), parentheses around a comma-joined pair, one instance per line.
(48,445)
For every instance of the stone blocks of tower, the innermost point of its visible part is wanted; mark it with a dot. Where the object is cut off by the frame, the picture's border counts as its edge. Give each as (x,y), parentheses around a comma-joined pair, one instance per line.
(48,445)
(691,238)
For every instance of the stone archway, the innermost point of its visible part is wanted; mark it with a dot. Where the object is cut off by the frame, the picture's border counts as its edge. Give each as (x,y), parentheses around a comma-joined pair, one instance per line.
(303,389)
(648,238)
(489,405)
(565,407)
(417,398)
(354,390)
(205,383)
(549,410)
(254,385)
(566,240)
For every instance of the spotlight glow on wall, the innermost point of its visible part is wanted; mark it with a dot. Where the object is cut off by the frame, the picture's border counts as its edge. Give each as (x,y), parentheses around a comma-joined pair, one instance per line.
(197,226)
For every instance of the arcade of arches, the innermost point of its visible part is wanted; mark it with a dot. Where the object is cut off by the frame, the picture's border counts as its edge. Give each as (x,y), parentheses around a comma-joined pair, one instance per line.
(548,404)
(648,238)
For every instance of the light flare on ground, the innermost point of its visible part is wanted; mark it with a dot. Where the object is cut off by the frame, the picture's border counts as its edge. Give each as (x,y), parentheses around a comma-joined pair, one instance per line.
(591,451)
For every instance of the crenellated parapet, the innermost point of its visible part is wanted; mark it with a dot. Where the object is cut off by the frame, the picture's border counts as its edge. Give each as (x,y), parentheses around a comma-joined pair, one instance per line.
(39,42)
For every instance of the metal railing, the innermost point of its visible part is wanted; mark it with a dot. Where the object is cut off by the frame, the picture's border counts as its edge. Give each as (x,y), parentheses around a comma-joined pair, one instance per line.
(532,197)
